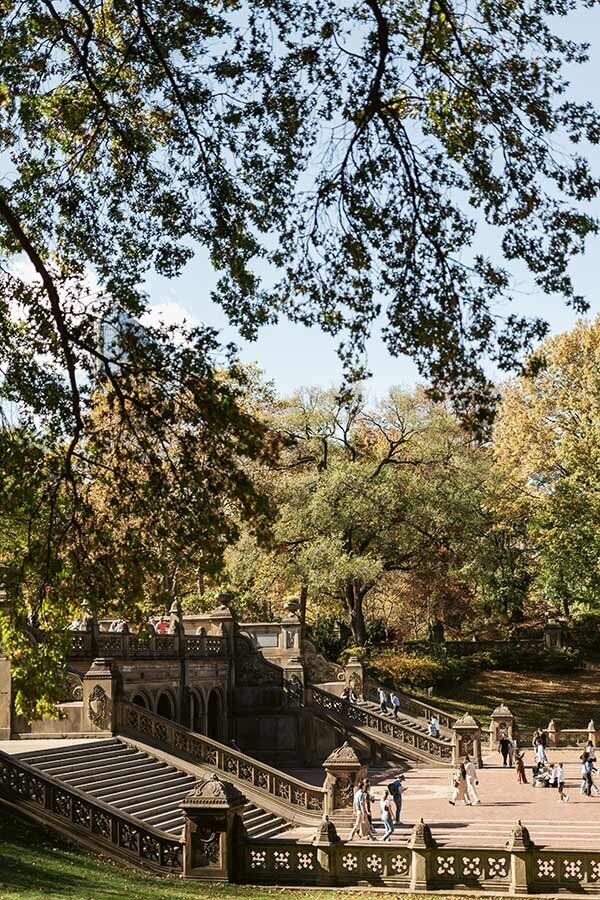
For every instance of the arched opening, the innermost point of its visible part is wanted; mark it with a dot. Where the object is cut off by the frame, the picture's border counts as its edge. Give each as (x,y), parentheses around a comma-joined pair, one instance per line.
(214,716)
(165,706)
(140,700)
(197,712)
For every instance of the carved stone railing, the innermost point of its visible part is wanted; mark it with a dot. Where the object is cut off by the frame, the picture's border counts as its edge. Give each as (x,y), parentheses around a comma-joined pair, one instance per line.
(418,708)
(409,738)
(506,869)
(93,822)
(119,645)
(294,798)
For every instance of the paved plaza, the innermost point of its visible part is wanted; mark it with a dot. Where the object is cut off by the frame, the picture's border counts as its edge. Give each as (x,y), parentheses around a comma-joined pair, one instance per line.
(575,824)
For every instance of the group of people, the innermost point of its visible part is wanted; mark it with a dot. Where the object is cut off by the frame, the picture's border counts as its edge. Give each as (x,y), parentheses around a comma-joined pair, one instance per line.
(390,809)
(433,727)
(464,782)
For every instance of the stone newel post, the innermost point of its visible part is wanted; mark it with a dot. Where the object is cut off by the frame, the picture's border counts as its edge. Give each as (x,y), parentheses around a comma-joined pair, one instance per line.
(466,739)
(502,722)
(99,690)
(420,842)
(592,733)
(212,827)
(344,771)
(355,675)
(518,845)
(323,840)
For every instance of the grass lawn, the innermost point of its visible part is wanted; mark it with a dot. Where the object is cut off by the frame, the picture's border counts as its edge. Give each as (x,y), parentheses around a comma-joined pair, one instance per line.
(534,698)
(36,865)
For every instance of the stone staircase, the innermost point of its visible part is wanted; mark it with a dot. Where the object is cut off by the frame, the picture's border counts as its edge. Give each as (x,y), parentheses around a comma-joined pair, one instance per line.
(416,723)
(135,782)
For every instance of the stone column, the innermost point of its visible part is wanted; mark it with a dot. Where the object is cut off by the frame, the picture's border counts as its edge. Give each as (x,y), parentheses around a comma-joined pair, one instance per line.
(99,689)
(323,840)
(553,733)
(502,722)
(289,636)
(466,731)
(343,770)
(592,733)
(553,635)
(420,843)
(213,827)
(519,845)
(355,675)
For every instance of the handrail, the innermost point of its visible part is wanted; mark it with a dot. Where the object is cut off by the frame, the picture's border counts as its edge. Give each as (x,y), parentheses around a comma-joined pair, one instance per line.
(287,790)
(423,710)
(80,814)
(410,737)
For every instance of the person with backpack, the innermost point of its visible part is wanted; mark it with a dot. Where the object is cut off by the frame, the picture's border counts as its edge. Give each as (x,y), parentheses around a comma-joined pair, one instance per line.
(396,788)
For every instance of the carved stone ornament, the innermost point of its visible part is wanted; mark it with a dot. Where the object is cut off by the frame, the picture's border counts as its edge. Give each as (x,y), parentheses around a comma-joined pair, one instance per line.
(466,721)
(502,710)
(326,832)
(421,837)
(520,838)
(98,706)
(214,794)
(343,757)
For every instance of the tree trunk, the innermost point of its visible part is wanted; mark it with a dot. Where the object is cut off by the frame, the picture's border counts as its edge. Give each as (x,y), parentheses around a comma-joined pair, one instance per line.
(354,596)
(302,612)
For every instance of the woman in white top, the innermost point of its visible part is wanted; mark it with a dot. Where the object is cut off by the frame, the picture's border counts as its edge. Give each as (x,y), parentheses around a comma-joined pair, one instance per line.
(472,781)
(387,807)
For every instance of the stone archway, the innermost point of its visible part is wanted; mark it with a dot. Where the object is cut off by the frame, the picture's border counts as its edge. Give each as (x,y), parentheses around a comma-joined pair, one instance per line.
(165,706)
(214,715)
(141,700)
(197,712)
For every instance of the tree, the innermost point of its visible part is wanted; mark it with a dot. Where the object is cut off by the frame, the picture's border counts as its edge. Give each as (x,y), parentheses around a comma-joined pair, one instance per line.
(548,443)
(365,497)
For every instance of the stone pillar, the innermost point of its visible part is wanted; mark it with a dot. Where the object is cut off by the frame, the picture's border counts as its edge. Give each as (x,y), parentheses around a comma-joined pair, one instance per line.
(502,722)
(553,733)
(420,843)
(466,732)
(289,636)
(324,838)
(519,845)
(355,675)
(294,674)
(99,689)
(343,770)
(592,733)
(212,827)
(553,635)
(5,700)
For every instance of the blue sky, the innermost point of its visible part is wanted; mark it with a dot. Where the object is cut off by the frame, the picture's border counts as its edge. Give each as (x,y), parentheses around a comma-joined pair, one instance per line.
(293,355)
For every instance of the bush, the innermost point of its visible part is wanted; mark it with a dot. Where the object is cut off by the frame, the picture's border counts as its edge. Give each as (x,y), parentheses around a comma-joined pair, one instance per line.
(585,631)
(395,668)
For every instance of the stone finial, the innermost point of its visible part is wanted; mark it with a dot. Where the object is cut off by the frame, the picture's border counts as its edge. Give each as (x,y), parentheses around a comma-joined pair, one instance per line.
(502,710)
(520,838)
(551,725)
(421,837)
(591,726)
(326,832)
(214,794)
(291,604)
(466,721)
(342,757)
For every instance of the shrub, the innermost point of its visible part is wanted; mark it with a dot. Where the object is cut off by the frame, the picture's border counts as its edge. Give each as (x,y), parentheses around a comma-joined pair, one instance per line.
(585,631)
(395,668)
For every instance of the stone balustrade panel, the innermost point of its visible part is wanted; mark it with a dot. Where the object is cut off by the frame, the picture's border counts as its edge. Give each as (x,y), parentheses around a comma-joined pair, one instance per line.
(80,814)
(418,708)
(118,645)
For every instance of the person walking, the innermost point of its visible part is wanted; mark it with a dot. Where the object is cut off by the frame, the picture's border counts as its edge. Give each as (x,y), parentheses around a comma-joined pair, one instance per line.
(383,700)
(395,704)
(540,754)
(472,781)
(386,815)
(511,752)
(520,767)
(558,780)
(503,748)
(459,786)
(396,789)
(434,727)
(361,826)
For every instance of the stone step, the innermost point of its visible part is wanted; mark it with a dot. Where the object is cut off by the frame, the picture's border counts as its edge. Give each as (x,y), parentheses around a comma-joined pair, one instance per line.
(180,786)
(116,761)
(77,751)
(109,777)
(135,787)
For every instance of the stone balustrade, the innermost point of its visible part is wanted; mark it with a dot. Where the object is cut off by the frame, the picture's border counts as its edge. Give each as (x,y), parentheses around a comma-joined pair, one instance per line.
(418,708)
(386,726)
(572,737)
(89,821)
(517,867)
(284,793)
(127,645)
